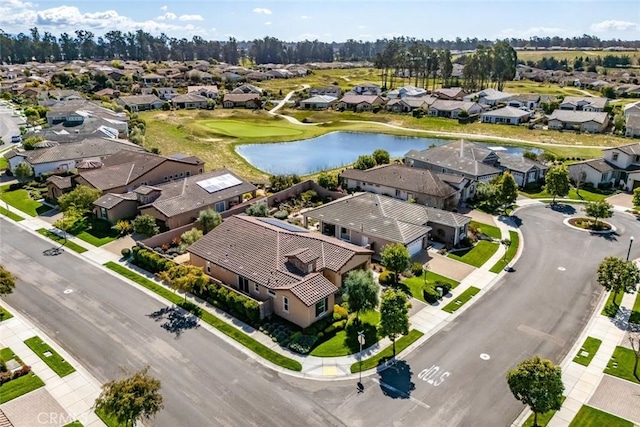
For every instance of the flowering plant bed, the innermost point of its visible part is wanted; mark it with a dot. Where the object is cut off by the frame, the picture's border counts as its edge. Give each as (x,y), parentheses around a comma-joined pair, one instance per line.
(589,224)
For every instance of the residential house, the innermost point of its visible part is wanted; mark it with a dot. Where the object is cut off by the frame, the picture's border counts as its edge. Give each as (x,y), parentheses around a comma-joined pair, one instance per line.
(164,93)
(367,89)
(151,79)
(488,97)
(584,121)
(190,101)
(506,116)
(451,109)
(180,201)
(618,167)
(374,221)
(318,102)
(354,102)
(407,92)
(334,91)
(247,88)
(113,207)
(73,131)
(632,109)
(589,103)
(403,182)
(296,273)
(57,186)
(450,94)
(210,91)
(72,113)
(529,101)
(199,76)
(594,171)
(124,171)
(136,103)
(632,125)
(108,92)
(66,156)
(408,104)
(243,100)
(258,76)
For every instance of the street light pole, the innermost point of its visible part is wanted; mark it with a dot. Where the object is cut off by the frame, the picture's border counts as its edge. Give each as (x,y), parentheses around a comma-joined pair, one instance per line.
(361,342)
(629,250)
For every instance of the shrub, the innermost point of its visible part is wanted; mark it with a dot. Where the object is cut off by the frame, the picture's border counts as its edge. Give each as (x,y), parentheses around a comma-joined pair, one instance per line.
(446,287)
(240,306)
(303,343)
(149,260)
(145,225)
(21,372)
(417,269)
(282,214)
(430,294)
(259,209)
(5,377)
(386,278)
(328,181)
(125,252)
(3,366)
(339,312)
(123,227)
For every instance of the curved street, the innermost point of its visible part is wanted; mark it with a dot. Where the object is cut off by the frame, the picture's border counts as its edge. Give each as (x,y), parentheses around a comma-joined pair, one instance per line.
(538,309)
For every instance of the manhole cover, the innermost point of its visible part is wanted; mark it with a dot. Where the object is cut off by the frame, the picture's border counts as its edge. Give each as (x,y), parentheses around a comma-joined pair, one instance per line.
(485,356)
(68,291)
(562,269)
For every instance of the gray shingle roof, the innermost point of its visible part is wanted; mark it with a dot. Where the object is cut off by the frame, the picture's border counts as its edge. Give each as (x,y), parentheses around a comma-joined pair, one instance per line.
(592,101)
(505,112)
(62,182)
(111,200)
(599,165)
(571,116)
(629,149)
(89,148)
(459,156)
(403,177)
(518,163)
(185,195)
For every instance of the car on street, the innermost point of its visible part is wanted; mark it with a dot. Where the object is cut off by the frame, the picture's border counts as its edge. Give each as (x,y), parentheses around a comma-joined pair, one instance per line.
(16,138)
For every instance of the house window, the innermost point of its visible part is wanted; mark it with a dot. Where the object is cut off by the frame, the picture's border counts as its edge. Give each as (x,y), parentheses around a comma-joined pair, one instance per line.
(200,170)
(397,193)
(243,284)
(345,234)
(188,173)
(614,157)
(208,267)
(321,307)
(219,207)
(285,304)
(271,293)
(256,288)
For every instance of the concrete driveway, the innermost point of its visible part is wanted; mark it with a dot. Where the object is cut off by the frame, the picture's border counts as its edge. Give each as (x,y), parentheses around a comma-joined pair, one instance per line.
(622,199)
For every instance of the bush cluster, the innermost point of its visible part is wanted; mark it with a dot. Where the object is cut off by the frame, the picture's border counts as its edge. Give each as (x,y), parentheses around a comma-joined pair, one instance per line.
(430,293)
(149,260)
(6,376)
(340,313)
(386,278)
(278,331)
(301,343)
(240,306)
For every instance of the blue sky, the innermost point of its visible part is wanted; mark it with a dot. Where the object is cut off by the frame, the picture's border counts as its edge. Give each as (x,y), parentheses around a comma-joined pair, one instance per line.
(330,20)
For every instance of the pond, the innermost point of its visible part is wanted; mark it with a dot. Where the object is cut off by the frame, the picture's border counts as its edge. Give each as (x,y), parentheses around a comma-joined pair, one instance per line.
(337,149)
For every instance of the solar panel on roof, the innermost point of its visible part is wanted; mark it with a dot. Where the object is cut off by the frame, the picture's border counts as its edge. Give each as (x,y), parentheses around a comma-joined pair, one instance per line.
(284,225)
(218,183)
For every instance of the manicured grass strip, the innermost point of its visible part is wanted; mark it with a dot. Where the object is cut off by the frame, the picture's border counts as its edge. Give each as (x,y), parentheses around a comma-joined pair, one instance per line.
(74,424)
(591,346)
(223,327)
(10,214)
(386,354)
(585,195)
(462,299)
(108,420)
(635,313)
(5,314)
(20,199)
(416,284)
(53,236)
(477,255)
(543,419)
(611,307)
(489,230)
(621,364)
(345,342)
(511,252)
(97,232)
(592,417)
(54,361)
(16,388)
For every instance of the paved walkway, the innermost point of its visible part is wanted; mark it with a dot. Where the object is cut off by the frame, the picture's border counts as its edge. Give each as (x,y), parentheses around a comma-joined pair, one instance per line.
(73,394)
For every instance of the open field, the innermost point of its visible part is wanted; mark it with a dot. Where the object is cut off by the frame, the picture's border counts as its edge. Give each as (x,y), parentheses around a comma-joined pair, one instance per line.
(570,55)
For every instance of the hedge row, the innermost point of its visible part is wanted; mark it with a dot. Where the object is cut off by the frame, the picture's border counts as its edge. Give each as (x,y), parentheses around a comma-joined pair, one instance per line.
(149,260)
(240,306)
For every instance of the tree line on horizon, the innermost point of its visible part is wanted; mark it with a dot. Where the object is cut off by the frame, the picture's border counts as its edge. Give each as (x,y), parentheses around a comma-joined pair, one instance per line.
(141,45)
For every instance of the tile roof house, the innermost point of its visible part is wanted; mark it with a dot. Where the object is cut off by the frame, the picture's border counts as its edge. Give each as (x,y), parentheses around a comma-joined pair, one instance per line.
(453,93)
(506,116)
(487,96)
(475,162)
(374,220)
(404,183)
(66,156)
(355,102)
(451,109)
(619,167)
(140,102)
(408,104)
(189,101)
(180,201)
(594,171)
(210,91)
(582,103)
(57,186)
(318,102)
(632,125)
(245,100)
(585,121)
(298,272)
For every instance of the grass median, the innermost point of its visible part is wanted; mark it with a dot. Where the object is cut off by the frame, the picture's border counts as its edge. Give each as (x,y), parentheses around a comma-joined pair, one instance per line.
(258,348)
(590,348)
(461,300)
(511,253)
(5,314)
(387,353)
(52,359)
(11,215)
(53,236)
(611,307)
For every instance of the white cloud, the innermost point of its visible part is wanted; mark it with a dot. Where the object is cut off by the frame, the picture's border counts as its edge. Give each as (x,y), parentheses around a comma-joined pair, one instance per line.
(304,17)
(362,27)
(267,23)
(262,10)
(364,36)
(168,16)
(191,18)
(531,32)
(164,8)
(614,25)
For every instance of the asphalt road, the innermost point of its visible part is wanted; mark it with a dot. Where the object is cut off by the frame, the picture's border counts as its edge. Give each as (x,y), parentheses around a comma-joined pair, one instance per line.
(539,309)
(8,125)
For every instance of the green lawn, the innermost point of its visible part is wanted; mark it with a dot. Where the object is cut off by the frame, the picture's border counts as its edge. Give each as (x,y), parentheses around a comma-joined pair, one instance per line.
(477,255)
(511,253)
(611,307)
(489,230)
(591,346)
(54,361)
(635,313)
(621,364)
(345,342)
(416,284)
(108,420)
(74,424)
(5,314)
(246,129)
(3,163)
(461,299)
(96,232)
(53,236)
(386,354)
(592,417)
(585,195)
(258,348)
(543,419)
(10,214)
(20,199)
(16,388)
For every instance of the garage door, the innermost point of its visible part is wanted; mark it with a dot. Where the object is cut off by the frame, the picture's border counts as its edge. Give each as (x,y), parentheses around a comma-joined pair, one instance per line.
(415,246)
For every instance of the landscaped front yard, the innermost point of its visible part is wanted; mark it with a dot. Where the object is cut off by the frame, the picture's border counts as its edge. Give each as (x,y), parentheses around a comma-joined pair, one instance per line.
(461,299)
(345,342)
(592,417)
(96,232)
(20,199)
(415,285)
(478,255)
(19,386)
(490,230)
(587,195)
(511,253)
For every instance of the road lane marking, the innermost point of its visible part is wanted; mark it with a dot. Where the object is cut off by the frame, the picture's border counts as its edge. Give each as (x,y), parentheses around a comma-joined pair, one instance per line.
(547,337)
(395,390)
(485,356)
(430,375)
